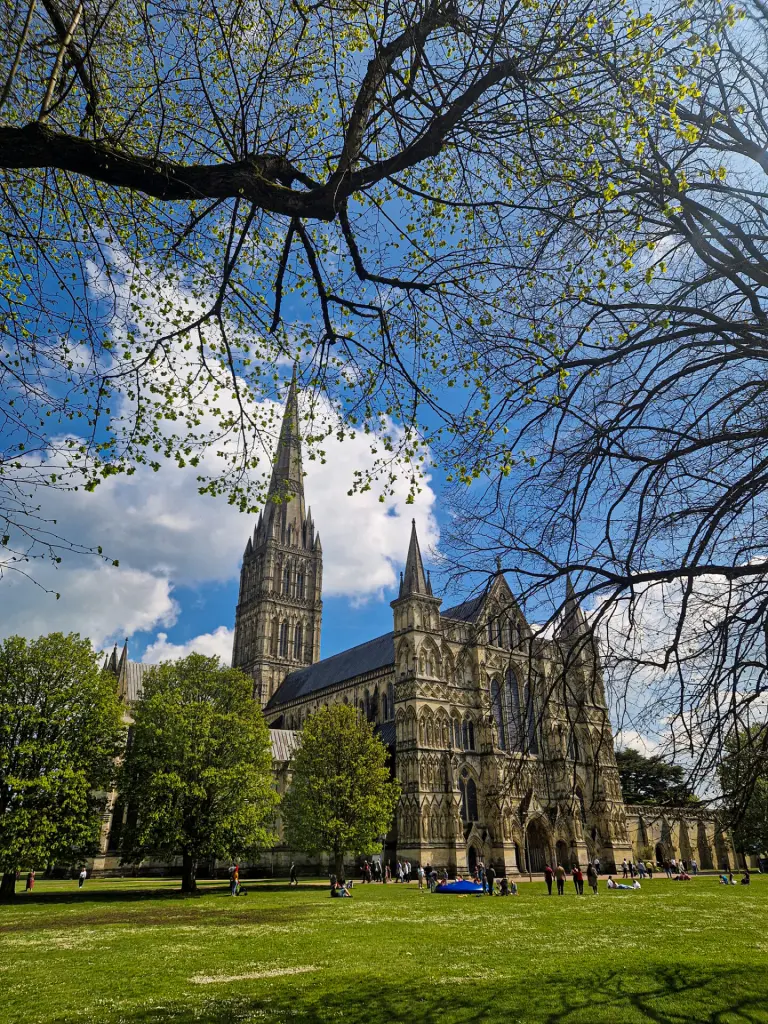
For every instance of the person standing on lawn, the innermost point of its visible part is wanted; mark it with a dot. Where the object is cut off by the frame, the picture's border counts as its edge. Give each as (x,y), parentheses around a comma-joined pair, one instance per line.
(548,876)
(81,878)
(592,878)
(491,878)
(294,876)
(560,879)
(578,880)
(30,881)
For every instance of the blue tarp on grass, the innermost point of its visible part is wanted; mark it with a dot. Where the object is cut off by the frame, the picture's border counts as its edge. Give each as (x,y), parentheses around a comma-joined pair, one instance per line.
(463,888)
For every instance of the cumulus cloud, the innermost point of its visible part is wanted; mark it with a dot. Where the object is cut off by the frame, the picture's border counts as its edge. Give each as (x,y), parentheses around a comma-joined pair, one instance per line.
(216,644)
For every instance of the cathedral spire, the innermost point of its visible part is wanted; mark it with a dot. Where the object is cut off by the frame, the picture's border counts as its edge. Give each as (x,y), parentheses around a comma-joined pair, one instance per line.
(574,622)
(287,473)
(414,581)
(285,498)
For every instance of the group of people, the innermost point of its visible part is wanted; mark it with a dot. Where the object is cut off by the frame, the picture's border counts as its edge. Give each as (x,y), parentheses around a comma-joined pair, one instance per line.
(558,875)
(728,879)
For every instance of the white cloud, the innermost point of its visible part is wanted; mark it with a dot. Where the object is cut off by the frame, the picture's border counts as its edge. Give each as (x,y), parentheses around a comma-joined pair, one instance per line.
(218,644)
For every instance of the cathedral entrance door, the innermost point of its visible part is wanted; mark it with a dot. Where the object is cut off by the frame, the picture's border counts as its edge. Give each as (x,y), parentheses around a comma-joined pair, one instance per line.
(535,847)
(472,859)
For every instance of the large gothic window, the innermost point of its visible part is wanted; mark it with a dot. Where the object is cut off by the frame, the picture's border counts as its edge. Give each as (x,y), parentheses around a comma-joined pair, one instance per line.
(300,584)
(456,734)
(514,723)
(298,631)
(283,643)
(468,734)
(468,795)
(530,714)
(286,580)
(498,716)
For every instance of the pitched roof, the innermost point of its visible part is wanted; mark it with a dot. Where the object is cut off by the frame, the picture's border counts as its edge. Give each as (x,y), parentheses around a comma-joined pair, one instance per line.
(368,657)
(284,743)
(467,611)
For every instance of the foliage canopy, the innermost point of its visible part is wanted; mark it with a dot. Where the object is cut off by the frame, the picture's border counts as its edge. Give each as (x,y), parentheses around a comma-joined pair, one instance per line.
(341,798)
(60,730)
(197,774)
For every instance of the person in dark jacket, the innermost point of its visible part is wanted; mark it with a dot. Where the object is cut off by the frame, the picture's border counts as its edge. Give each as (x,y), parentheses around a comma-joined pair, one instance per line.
(548,876)
(578,880)
(490,875)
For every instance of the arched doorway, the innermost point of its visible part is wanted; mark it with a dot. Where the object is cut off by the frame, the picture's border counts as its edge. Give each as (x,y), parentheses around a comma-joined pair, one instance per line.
(660,858)
(562,856)
(535,847)
(472,859)
(704,849)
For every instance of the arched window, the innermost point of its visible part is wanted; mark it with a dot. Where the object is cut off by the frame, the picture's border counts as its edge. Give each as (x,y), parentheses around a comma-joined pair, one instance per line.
(573,746)
(471,800)
(583,809)
(289,535)
(514,723)
(499,632)
(471,735)
(283,644)
(391,699)
(498,716)
(456,734)
(384,708)
(463,797)
(297,640)
(465,734)
(530,714)
(300,584)
(275,635)
(286,580)
(490,632)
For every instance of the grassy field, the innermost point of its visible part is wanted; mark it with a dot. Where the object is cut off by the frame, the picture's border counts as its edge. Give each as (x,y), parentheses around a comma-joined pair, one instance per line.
(136,952)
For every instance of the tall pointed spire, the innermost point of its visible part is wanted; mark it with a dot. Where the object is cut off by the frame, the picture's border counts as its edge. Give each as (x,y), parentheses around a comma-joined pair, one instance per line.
(286,486)
(287,473)
(414,581)
(574,621)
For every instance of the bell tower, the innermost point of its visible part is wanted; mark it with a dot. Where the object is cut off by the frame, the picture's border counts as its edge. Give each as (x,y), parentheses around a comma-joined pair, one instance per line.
(277,622)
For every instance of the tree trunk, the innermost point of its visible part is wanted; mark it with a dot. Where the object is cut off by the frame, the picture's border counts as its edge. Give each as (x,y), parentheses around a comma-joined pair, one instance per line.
(338,864)
(8,886)
(189,874)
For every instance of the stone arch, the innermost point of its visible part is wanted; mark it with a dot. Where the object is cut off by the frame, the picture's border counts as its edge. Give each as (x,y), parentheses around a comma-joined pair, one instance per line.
(537,844)
(703,848)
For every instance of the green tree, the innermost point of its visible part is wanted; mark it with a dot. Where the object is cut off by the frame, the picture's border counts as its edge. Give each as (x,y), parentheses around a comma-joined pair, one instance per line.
(341,797)
(60,731)
(744,781)
(197,775)
(650,780)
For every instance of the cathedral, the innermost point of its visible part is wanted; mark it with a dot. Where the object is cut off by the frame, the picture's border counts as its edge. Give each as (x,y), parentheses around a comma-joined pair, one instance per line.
(501,739)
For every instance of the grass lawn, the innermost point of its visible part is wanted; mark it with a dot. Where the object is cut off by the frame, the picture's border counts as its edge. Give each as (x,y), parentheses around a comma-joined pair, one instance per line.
(135,952)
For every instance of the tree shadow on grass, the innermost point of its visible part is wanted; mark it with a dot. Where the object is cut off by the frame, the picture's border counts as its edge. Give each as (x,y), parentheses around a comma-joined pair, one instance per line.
(668,996)
(168,892)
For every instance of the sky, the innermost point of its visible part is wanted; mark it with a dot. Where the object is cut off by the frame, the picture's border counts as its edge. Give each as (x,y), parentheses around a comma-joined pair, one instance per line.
(179,553)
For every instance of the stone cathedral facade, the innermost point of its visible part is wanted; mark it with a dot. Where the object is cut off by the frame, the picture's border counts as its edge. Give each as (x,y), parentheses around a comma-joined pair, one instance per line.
(501,740)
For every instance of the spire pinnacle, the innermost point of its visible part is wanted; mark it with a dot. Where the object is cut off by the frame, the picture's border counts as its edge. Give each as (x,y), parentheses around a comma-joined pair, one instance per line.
(414,580)
(574,621)
(286,486)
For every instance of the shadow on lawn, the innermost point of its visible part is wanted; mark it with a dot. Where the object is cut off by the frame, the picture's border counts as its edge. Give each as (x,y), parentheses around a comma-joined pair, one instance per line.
(669,996)
(41,897)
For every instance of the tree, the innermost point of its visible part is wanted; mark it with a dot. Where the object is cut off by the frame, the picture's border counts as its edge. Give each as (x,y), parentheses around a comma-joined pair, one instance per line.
(341,797)
(60,732)
(622,431)
(744,781)
(650,780)
(190,197)
(197,774)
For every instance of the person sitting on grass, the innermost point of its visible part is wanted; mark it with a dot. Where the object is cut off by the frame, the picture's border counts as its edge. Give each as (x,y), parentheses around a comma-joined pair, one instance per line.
(682,877)
(503,886)
(513,889)
(340,890)
(746,879)
(725,880)
(619,885)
